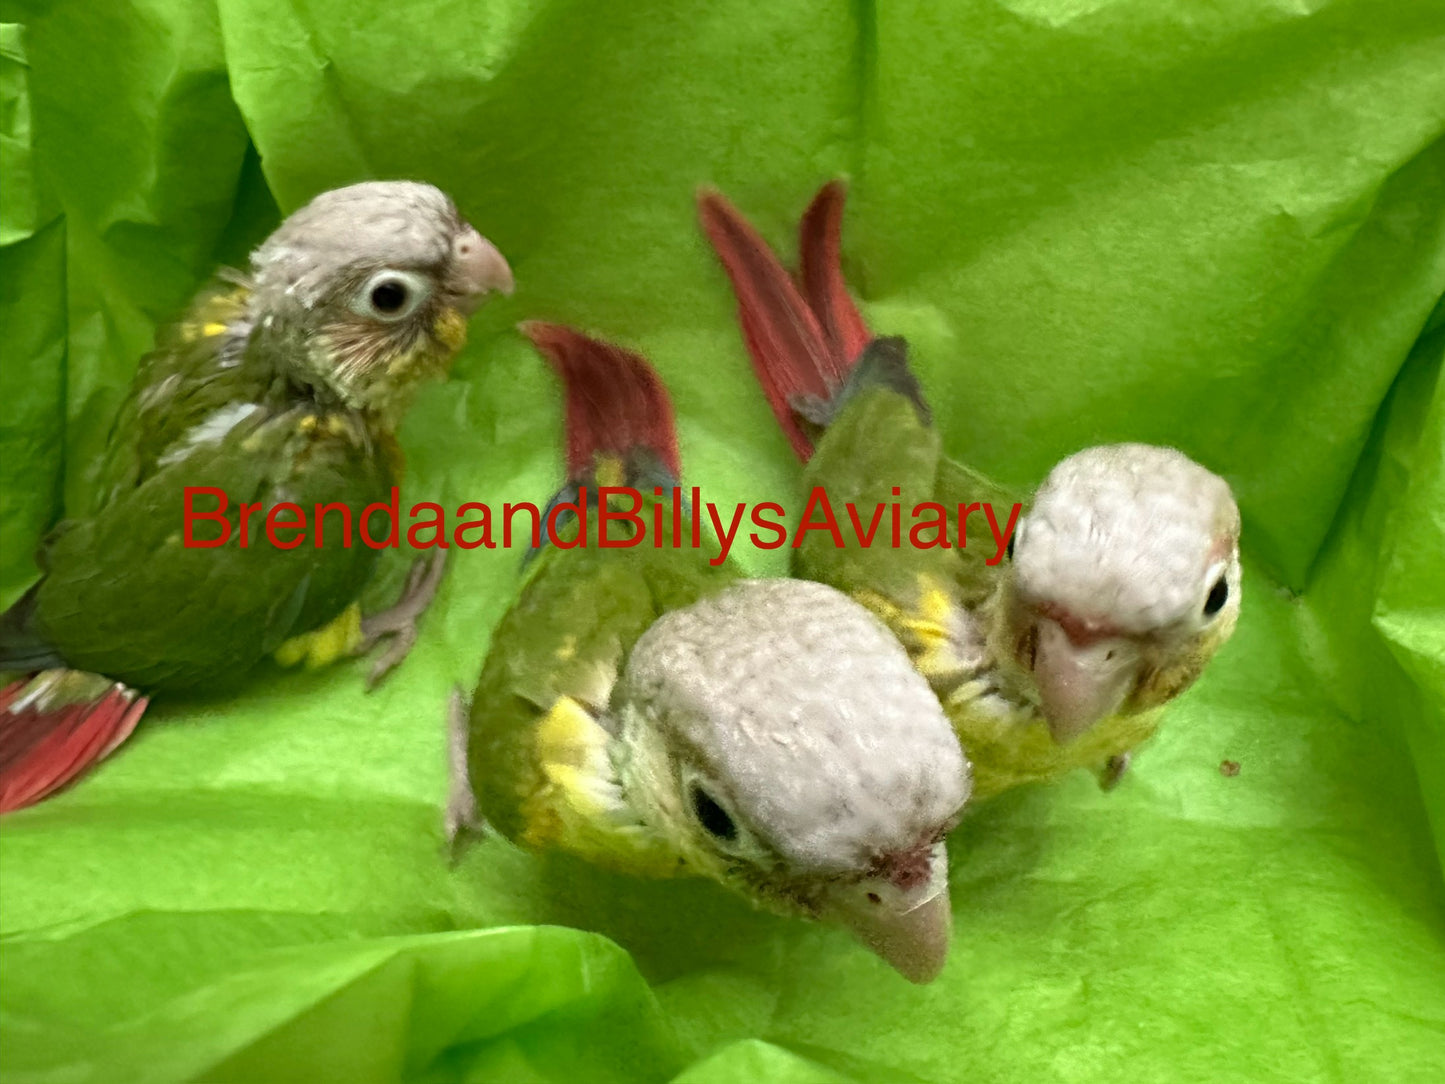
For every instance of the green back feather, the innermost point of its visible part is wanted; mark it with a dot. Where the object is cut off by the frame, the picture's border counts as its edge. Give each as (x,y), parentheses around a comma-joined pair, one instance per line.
(567,637)
(876,443)
(125,597)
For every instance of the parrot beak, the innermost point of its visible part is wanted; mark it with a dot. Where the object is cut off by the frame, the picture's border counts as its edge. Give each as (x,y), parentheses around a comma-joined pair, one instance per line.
(479,268)
(1081,679)
(908,928)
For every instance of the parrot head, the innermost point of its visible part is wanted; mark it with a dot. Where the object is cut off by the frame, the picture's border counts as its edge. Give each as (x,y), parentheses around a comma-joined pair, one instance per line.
(1124,582)
(776,734)
(366,290)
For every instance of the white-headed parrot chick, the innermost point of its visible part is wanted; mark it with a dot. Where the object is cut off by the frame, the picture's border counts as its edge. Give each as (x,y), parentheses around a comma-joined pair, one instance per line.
(1122,578)
(283,384)
(653,713)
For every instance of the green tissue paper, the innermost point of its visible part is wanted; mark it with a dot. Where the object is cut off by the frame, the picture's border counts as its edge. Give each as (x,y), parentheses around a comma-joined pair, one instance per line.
(1218,225)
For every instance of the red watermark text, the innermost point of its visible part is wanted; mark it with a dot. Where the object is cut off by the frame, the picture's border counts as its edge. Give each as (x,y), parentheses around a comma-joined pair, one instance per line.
(618,517)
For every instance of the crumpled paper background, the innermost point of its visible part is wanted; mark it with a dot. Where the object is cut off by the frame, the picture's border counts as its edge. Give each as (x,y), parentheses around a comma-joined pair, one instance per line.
(1220,226)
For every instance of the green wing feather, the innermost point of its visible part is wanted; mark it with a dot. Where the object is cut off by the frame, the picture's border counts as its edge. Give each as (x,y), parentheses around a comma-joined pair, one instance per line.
(200,365)
(124,596)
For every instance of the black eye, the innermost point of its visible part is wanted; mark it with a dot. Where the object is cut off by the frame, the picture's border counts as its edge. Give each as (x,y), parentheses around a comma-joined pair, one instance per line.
(1010,547)
(389,296)
(713,817)
(1218,596)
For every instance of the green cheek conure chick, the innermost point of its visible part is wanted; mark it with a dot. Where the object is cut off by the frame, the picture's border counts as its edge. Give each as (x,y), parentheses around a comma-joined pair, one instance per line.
(1122,579)
(283,384)
(648,711)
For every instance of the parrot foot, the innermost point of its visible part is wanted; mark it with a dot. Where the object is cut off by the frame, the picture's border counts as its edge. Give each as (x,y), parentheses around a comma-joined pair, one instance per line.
(398,623)
(461,810)
(1113,771)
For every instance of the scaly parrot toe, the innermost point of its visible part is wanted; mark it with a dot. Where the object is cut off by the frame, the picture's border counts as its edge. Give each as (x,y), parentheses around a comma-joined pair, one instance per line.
(1113,771)
(461,818)
(399,622)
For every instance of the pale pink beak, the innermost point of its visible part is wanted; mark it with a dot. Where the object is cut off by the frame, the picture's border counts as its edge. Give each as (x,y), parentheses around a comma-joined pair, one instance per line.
(479,269)
(1080,680)
(909,928)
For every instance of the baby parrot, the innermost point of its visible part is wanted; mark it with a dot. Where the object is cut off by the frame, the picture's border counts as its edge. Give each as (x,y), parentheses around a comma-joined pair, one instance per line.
(282,385)
(646,711)
(1121,581)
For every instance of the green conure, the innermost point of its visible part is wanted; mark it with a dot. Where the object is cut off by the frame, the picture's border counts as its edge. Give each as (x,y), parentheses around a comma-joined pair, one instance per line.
(646,711)
(1119,583)
(285,384)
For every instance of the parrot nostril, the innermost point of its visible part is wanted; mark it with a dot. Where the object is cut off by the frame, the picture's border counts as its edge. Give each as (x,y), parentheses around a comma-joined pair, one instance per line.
(480,267)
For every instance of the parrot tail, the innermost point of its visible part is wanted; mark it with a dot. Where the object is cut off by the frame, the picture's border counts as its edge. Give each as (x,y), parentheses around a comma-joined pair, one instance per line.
(811,350)
(793,357)
(55,725)
(617,407)
(820,274)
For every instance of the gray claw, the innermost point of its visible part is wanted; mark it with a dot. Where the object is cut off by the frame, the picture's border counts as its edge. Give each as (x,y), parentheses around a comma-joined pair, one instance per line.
(399,647)
(1114,769)
(397,623)
(461,810)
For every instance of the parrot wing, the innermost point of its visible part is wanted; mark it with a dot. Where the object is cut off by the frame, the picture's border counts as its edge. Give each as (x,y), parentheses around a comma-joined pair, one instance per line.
(126,596)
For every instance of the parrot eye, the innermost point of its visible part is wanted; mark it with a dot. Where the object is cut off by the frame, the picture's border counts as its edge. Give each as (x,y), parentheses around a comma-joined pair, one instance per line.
(713,817)
(1010,547)
(1218,596)
(391,295)
(388,296)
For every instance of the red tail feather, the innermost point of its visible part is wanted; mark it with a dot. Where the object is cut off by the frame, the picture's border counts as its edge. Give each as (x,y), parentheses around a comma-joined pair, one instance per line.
(616,402)
(49,736)
(791,354)
(820,274)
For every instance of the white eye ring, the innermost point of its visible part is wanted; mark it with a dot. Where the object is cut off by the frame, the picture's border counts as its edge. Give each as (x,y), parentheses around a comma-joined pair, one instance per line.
(391,295)
(1218,574)
(718,822)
